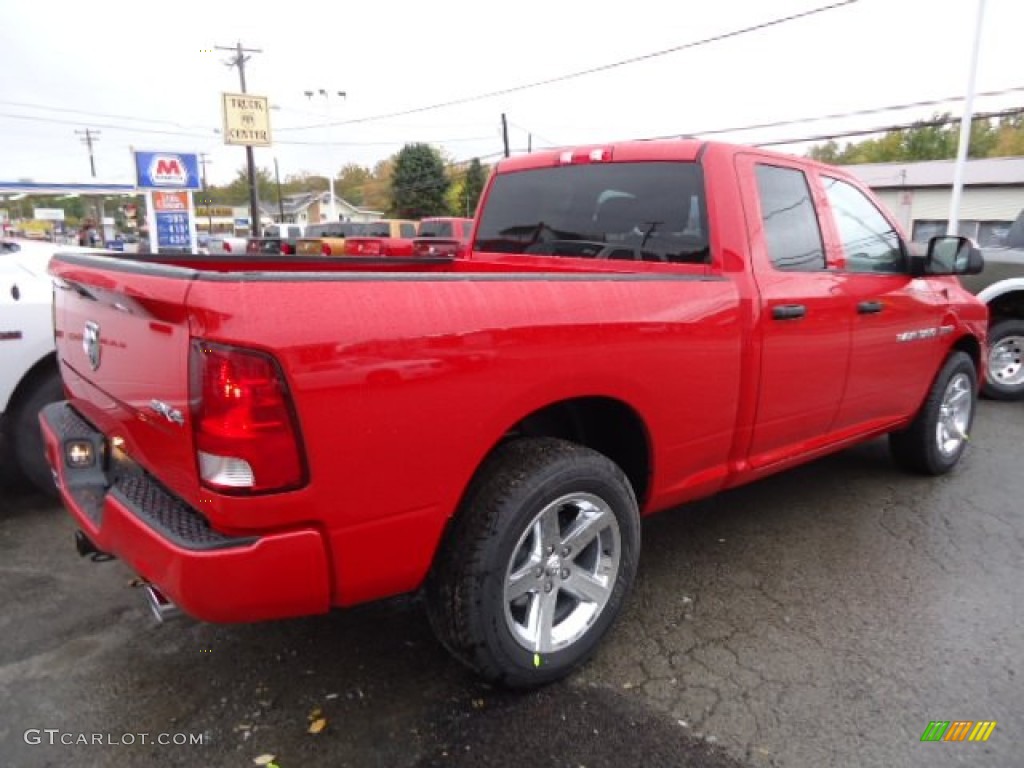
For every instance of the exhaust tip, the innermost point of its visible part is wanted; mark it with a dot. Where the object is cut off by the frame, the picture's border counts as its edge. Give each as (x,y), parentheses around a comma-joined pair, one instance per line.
(159,605)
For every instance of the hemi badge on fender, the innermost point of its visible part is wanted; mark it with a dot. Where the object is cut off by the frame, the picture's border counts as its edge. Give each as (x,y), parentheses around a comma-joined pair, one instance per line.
(10,335)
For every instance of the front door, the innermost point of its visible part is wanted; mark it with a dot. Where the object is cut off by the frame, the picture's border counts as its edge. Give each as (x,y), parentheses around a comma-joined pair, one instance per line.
(898,326)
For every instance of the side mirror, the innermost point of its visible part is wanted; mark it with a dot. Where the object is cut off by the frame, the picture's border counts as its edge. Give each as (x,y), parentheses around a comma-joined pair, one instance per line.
(952,255)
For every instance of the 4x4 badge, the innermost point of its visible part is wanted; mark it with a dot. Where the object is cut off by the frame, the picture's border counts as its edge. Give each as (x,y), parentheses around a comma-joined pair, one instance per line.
(91,343)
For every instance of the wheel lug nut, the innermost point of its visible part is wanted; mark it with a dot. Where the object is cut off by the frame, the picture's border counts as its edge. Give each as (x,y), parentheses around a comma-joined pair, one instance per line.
(566,551)
(565,573)
(547,586)
(538,572)
(551,550)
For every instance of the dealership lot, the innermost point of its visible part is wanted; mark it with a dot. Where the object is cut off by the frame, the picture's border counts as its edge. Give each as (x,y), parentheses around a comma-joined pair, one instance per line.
(821,617)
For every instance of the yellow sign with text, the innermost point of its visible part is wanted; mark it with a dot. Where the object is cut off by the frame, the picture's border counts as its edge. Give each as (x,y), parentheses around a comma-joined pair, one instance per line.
(246,120)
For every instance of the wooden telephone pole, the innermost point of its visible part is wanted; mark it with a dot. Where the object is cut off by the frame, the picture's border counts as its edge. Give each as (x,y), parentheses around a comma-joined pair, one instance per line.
(239,60)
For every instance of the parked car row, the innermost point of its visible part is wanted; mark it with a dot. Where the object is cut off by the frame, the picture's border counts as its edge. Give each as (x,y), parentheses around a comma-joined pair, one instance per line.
(436,236)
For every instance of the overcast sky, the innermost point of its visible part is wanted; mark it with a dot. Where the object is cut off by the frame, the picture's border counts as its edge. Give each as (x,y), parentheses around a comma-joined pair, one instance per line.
(151,82)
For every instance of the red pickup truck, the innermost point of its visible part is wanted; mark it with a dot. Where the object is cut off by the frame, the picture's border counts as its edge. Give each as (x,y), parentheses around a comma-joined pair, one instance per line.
(636,326)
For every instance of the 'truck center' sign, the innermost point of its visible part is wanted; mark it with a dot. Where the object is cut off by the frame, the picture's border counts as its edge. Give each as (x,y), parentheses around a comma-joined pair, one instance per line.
(246,120)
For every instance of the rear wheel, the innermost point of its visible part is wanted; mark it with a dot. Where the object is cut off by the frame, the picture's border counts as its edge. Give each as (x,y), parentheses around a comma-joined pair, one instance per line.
(1005,377)
(26,435)
(937,438)
(538,562)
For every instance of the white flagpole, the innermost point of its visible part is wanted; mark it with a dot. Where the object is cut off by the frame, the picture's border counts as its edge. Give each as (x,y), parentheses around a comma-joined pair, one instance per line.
(965,129)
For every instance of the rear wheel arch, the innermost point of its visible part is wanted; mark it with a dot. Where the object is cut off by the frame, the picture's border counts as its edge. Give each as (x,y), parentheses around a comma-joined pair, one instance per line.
(42,369)
(606,425)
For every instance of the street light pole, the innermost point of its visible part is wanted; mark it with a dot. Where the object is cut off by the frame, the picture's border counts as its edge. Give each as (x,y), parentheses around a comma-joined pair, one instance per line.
(333,215)
(953,227)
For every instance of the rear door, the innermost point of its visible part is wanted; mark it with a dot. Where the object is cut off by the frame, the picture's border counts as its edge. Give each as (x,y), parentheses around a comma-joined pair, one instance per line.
(898,327)
(803,325)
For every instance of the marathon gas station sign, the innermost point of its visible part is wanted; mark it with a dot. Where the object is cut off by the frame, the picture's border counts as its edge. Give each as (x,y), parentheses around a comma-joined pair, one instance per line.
(168,178)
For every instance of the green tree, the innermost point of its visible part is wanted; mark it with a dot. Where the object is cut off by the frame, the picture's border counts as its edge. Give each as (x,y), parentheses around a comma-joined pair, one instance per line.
(237,192)
(473,186)
(419,184)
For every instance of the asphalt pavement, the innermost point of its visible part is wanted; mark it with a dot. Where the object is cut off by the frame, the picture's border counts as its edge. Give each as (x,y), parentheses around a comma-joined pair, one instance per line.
(822,617)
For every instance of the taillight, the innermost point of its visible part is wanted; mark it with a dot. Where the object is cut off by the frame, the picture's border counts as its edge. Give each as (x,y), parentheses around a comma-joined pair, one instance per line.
(325,249)
(227,246)
(246,436)
(286,249)
(363,248)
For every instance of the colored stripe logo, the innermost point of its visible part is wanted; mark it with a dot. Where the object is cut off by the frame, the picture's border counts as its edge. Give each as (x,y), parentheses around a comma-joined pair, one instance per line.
(958,730)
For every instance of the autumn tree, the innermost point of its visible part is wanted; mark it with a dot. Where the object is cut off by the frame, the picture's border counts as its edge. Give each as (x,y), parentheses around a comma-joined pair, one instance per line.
(933,139)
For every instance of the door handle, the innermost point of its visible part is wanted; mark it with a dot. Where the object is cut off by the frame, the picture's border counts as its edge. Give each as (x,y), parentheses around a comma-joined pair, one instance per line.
(870,307)
(789,311)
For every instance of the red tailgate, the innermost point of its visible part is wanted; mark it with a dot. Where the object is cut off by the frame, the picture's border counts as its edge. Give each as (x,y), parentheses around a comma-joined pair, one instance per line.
(123,346)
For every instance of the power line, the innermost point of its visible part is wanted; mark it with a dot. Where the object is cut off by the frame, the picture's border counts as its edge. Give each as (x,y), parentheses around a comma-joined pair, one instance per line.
(886,129)
(58,121)
(91,113)
(837,115)
(584,72)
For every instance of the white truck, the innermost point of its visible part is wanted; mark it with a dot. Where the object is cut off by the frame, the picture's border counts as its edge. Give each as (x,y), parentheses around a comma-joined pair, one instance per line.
(28,369)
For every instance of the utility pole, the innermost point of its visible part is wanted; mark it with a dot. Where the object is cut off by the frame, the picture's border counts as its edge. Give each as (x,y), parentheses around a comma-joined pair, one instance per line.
(239,60)
(206,194)
(529,142)
(504,132)
(89,136)
(280,203)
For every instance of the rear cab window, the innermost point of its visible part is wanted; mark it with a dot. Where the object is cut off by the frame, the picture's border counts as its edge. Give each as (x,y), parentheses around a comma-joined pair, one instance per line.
(639,211)
(791,230)
(436,229)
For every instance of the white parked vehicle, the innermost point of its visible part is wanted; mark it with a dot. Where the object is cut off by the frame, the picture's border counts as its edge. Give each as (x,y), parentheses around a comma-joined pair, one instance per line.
(226,244)
(29,378)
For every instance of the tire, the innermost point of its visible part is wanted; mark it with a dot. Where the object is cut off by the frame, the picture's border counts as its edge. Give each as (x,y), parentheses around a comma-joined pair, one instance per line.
(528,493)
(25,432)
(1005,370)
(938,435)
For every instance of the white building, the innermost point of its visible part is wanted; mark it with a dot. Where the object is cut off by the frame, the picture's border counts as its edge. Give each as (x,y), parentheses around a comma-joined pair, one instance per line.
(919,195)
(314,208)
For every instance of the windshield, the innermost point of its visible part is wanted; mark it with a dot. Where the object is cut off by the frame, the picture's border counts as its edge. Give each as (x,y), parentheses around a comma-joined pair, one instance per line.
(373,229)
(436,229)
(651,211)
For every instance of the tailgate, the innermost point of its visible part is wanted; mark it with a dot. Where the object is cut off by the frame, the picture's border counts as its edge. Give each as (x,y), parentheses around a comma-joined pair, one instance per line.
(123,344)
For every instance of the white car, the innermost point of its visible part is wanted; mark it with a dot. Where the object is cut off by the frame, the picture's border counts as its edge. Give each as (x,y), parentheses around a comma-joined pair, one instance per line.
(29,378)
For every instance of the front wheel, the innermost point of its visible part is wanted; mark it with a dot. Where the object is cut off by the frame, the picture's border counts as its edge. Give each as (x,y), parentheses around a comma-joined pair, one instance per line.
(938,435)
(538,562)
(1005,379)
